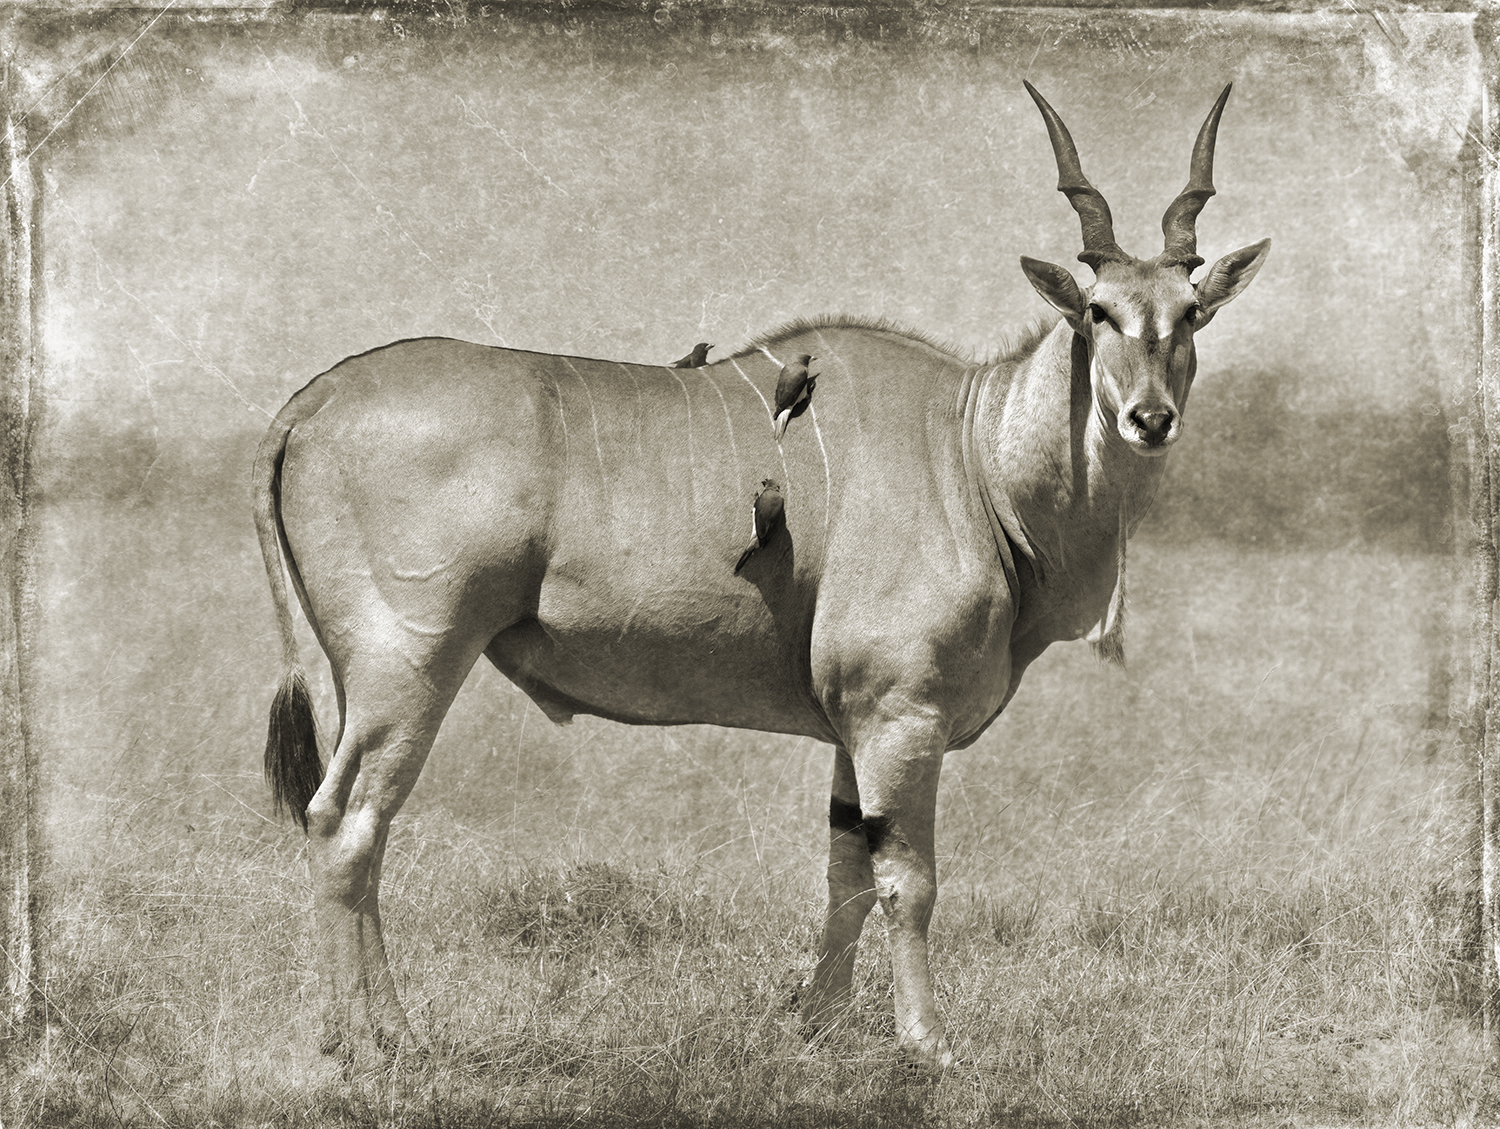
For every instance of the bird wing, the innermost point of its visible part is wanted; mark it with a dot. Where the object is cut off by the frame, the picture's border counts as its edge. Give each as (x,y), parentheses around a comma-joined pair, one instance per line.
(789,386)
(768,514)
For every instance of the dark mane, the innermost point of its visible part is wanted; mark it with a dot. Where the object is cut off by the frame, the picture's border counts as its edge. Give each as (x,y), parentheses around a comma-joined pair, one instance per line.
(844,321)
(1013,344)
(1021,342)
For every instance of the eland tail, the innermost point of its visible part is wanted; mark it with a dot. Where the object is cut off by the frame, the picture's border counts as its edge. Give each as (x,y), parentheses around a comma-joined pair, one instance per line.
(293,768)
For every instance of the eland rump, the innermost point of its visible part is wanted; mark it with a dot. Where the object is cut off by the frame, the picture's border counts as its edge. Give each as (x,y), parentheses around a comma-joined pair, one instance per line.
(577,523)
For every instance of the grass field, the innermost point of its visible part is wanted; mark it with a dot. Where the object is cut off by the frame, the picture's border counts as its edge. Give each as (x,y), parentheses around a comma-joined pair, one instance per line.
(1226,887)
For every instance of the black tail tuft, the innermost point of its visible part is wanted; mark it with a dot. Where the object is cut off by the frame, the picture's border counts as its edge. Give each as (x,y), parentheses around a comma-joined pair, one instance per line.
(293,767)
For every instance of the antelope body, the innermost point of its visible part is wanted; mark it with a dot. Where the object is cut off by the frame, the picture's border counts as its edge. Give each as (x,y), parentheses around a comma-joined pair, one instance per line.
(577,523)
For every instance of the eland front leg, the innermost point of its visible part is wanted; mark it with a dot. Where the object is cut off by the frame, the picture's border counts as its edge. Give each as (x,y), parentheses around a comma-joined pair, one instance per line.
(851,897)
(894,803)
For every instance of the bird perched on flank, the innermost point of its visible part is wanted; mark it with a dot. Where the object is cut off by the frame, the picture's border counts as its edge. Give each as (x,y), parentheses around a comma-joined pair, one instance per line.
(794,389)
(697,358)
(766,517)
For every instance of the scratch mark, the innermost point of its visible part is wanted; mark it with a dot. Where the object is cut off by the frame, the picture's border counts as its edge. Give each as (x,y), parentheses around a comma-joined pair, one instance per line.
(461,286)
(639,450)
(692,466)
(786,475)
(728,419)
(848,384)
(1398,42)
(412,628)
(629,619)
(598,447)
(62,78)
(562,417)
(1150,74)
(483,123)
(166,327)
(140,490)
(260,166)
(1041,39)
(421,573)
(236,799)
(84,97)
(416,663)
(1390,31)
(827,475)
(770,415)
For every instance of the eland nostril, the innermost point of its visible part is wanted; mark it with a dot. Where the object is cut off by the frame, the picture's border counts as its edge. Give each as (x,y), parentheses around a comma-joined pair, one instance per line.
(1153,425)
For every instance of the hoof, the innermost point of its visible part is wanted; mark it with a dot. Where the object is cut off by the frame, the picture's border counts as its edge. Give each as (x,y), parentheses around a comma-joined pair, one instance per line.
(813,1033)
(368,1049)
(822,1012)
(397,1042)
(823,1027)
(333,1044)
(930,1055)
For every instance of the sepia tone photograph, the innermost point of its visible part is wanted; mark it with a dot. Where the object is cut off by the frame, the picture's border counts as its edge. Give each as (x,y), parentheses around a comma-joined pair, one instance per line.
(653,564)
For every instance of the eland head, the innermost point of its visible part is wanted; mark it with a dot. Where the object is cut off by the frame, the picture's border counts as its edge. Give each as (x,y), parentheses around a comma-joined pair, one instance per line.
(1138,319)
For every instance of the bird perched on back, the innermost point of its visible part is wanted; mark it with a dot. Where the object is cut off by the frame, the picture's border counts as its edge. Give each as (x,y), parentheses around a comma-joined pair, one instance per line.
(794,389)
(697,358)
(766,516)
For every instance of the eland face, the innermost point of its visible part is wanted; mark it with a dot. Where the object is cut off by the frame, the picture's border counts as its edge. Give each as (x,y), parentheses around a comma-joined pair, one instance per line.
(1139,317)
(1139,324)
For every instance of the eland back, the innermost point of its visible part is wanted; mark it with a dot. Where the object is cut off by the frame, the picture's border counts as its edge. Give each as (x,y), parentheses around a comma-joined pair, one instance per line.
(577,522)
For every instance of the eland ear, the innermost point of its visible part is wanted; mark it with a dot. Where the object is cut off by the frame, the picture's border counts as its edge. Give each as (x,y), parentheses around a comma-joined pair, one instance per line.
(1227,277)
(1057,286)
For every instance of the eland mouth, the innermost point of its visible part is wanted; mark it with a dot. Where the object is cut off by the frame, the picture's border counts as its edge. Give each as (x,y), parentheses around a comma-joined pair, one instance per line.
(1150,432)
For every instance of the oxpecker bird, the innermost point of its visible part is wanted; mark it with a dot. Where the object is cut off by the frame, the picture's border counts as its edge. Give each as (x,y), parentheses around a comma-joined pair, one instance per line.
(766,517)
(794,389)
(697,358)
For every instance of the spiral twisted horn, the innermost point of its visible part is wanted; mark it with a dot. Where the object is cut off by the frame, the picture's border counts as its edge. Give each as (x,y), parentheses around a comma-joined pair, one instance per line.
(1099,244)
(1179,222)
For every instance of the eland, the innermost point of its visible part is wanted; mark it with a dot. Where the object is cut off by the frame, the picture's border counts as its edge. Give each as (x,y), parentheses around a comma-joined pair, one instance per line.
(576,522)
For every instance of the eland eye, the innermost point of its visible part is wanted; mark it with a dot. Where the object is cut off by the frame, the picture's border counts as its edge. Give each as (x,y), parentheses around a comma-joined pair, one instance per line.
(1099,314)
(1192,314)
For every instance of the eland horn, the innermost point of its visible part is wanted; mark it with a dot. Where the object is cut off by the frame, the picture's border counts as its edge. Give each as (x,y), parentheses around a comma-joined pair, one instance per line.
(1179,222)
(1093,212)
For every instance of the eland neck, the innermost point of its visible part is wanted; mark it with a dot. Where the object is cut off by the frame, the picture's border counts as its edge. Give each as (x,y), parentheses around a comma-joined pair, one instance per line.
(1064,484)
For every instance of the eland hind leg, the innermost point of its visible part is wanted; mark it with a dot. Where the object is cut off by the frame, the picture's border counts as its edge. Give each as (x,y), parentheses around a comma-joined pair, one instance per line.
(394,695)
(851,897)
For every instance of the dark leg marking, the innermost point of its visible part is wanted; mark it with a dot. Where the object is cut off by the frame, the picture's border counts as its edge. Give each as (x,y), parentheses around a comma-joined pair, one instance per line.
(877,828)
(843,817)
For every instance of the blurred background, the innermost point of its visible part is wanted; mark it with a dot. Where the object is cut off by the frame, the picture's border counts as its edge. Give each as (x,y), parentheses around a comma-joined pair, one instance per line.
(233,205)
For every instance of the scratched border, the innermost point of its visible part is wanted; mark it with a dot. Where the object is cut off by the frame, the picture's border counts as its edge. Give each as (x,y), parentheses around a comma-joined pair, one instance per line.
(21,847)
(79,42)
(1479,724)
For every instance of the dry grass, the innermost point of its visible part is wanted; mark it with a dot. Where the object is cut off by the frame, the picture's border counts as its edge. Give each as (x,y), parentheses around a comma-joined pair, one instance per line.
(569,991)
(1183,897)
